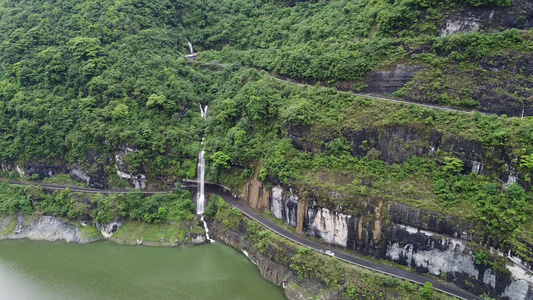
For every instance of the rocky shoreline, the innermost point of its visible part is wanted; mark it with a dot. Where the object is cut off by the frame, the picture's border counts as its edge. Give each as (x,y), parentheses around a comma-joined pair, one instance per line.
(52,228)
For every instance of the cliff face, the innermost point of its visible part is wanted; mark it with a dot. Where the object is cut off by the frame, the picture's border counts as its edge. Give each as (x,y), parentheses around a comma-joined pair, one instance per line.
(93,172)
(399,143)
(389,81)
(93,175)
(469,18)
(268,261)
(256,193)
(425,241)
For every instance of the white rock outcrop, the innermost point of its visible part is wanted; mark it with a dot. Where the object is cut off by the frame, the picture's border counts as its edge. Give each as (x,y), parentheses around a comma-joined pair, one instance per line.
(284,207)
(331,226)
(464,25)
(456,257)
(138,180)
(110,228)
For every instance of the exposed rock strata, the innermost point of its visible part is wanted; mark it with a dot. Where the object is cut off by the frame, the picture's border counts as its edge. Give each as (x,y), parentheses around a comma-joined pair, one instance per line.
(469,18)
(271,270)
(255,194)
(390,81)
(398,144)
(428,242)
(45,228)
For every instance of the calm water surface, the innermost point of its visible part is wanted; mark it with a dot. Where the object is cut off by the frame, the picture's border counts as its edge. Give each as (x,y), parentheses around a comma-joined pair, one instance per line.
(103,270)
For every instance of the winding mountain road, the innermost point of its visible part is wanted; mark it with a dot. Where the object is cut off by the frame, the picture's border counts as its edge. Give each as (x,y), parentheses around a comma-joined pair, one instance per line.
(380,98)
(388,270)
(234,202)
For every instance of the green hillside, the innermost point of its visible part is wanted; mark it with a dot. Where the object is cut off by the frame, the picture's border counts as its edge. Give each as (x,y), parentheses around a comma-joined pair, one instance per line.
(81,81)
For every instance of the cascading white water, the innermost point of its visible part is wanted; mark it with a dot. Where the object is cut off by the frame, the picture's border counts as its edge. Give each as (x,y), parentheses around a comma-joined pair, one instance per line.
(206,230)
(203,111)
(201,182)
(200,202)
(191,50)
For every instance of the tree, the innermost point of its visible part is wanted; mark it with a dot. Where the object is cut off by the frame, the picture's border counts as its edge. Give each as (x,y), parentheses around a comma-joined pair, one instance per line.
(157,100)
(84,48)
(427,291)
(452,165)
(526,162)
(220,160)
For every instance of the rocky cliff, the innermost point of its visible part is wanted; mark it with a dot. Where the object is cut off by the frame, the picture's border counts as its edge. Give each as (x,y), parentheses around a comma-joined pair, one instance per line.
(471,18)
(425,241)
(52,228)
(46,228)
(396,144)
(93,173)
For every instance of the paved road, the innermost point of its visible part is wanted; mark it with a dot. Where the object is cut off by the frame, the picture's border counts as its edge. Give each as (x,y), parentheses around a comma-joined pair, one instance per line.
(232,200)
(73,188)
(384,98)
(381,98)
(388,270)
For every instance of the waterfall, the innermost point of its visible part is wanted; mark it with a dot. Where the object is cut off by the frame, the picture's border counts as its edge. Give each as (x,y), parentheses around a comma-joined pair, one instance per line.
(200,197)
(203,111)
(201,181)
(206,230)
(476,167)
(191,50)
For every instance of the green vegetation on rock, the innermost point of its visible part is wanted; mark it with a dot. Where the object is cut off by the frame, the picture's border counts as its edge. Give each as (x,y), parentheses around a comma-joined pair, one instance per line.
(159,208)
(103,87)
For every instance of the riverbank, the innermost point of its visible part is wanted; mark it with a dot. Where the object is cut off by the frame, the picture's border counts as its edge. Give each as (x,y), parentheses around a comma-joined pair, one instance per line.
(302,273)
(50,228)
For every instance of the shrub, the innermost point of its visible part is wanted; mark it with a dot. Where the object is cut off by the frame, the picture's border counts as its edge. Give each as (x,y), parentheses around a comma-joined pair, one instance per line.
(427,291)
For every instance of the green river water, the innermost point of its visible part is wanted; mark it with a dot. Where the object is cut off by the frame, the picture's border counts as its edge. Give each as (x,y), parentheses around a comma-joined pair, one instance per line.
(103,270)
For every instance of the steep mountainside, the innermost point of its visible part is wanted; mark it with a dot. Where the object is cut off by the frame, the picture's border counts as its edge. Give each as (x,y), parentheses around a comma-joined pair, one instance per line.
(99,93)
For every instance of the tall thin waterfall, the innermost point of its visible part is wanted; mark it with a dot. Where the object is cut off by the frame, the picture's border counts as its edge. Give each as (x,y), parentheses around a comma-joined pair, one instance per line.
(200,202)
(203,111)
(191,50)
(201,182)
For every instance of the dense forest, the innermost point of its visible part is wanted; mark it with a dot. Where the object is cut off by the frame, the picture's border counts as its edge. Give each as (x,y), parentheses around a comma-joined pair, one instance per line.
(80,80)
(341,43)
(76,74)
